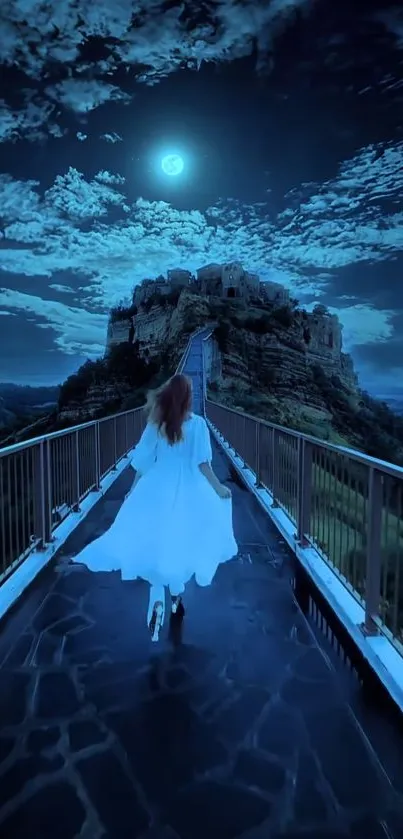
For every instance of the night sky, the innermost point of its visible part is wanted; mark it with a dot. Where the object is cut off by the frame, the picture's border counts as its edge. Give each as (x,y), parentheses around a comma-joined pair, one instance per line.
(288,115)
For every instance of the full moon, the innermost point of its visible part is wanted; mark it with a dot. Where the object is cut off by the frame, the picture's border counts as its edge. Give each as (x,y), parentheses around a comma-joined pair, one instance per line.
(172,164)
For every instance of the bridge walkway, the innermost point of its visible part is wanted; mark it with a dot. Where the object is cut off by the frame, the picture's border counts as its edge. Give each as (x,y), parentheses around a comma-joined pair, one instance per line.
(238,724)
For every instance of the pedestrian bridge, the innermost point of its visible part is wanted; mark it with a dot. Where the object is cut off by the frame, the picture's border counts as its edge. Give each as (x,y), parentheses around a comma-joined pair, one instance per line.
(273,710)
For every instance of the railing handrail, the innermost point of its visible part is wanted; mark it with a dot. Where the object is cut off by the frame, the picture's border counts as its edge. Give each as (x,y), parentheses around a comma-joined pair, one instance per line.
(348,508)
(34,441)
(204,382)
(390,468)
(51,435)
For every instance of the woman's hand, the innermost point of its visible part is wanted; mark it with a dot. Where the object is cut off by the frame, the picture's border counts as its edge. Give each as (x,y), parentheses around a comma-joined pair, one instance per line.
(223,491)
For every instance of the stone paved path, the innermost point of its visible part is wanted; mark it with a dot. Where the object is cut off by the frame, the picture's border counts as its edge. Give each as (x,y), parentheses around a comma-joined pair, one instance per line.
(235,726)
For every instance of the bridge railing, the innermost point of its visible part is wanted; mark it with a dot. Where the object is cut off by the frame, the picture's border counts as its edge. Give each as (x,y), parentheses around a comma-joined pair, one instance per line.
(45,479)
(347,506)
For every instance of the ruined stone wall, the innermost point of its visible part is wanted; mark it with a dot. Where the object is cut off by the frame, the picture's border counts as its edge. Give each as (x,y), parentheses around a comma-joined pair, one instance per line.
(252,283)
(209,279)
(148,288)
(274,293)
(119,332)
(232,277)
(178,277)
(325,334)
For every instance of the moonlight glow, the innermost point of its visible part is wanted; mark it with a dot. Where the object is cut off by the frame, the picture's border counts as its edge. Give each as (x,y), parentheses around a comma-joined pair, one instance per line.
(172,164)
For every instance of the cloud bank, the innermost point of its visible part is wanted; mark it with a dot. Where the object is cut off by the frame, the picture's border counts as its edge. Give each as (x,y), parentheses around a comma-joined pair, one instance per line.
(150,38)
(92,230)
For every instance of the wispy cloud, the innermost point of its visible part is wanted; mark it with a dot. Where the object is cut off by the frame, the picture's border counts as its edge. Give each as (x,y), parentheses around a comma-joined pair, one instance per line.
(76,331)
(85,96)
(91,228)
(63,289)
(143,35)
(112,138)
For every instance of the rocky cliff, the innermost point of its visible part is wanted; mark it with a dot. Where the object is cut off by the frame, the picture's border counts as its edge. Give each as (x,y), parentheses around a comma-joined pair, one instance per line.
(262,357)
(274,361)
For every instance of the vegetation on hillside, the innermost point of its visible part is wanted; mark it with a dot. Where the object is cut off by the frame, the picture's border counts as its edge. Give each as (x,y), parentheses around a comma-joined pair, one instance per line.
(22,406)
(371,426)
(122,312)
(357,420)
(23,399)
(123,366)
(125,374)
(163,300)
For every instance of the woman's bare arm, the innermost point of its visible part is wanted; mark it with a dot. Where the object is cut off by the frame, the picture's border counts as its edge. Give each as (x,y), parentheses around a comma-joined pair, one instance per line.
(219,488)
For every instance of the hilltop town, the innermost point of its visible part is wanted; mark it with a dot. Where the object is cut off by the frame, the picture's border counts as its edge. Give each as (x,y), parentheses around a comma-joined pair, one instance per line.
(266,356)
(321,332)
(214,280)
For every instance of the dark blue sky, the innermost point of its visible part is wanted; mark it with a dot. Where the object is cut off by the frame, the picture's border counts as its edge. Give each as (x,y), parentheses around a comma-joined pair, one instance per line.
(288,120)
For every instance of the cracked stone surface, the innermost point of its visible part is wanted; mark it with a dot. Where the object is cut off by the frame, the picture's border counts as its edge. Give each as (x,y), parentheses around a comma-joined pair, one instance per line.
(234,727)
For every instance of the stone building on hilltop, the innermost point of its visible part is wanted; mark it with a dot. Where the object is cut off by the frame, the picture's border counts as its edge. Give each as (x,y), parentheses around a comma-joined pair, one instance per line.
(214,280)
(180,278)
(317,334)
(228,280)
(274,293)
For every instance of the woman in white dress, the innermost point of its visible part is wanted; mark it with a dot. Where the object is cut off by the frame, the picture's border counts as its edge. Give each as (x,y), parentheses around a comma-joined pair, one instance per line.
(176,520)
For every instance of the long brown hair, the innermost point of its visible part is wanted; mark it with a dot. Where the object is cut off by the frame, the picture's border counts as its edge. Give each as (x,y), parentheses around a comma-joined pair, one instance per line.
(169,406)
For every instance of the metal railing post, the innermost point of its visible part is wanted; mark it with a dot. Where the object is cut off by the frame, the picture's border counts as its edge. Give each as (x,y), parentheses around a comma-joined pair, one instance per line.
(258,482)
(97,458)
(76,474)
(42,495)
(126,437)
(115,446)
(304,497)
(373,550)
(275,465)
(243,435)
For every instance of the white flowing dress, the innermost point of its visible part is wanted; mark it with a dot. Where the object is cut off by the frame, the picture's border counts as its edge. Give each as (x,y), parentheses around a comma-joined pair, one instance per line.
(172,524)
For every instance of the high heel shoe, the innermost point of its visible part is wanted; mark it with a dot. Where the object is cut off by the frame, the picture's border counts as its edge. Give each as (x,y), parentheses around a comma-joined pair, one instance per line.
(177,607)
(176,600)
(156,620)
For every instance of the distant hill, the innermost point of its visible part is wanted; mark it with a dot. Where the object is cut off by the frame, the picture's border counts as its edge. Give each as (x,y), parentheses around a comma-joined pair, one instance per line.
(395,404)
(21,404)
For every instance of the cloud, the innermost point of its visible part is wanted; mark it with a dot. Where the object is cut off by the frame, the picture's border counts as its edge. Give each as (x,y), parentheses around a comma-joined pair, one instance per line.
(382,355)
(63,289)
(77,331)
(145,36)
(112,138)
(92,229)
(84,96)
(34,121)
(392,20)
(82,137)
(71,200)
(363,325)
